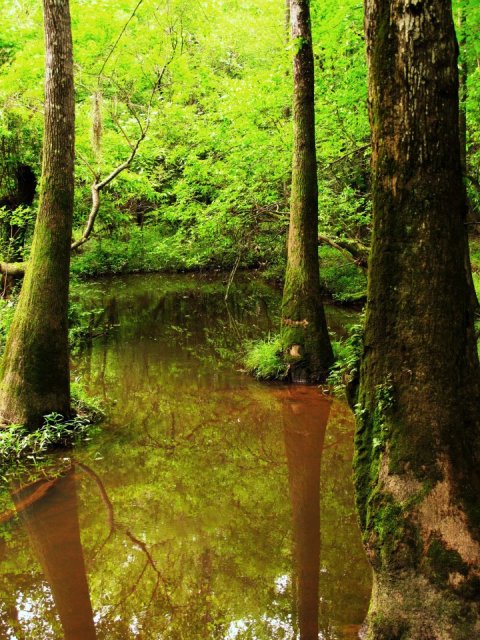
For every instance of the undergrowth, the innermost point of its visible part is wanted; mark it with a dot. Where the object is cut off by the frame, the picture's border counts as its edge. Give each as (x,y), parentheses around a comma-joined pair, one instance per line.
(18,444)
(340,277)
(347,360)
(264,359)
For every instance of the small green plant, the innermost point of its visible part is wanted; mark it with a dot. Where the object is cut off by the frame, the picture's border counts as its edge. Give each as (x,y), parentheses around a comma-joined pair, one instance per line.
(347,358)
(264,359)
(17,443)
(84,405)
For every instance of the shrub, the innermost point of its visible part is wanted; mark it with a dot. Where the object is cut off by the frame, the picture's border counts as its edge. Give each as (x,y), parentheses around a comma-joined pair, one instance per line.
(264,359)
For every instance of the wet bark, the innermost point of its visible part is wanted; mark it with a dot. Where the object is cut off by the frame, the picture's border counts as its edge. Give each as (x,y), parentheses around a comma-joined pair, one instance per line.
(53,529)
(417,457)
(35,369)
(304,328)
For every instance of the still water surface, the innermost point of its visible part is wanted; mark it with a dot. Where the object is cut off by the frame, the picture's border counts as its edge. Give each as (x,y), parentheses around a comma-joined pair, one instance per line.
(209,507)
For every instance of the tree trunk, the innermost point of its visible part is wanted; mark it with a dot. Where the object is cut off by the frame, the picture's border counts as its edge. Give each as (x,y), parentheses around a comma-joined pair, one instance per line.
(35,369)
(304,328)
(418,431)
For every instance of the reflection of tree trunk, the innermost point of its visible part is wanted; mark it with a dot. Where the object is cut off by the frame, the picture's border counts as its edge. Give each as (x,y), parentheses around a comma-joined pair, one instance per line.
(53,529)
(305,415)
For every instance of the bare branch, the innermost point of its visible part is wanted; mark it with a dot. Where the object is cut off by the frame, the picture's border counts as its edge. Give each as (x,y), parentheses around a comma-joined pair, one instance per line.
(88,165)
(115,44)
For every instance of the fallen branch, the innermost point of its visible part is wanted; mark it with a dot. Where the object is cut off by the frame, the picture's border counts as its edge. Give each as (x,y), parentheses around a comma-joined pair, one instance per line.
(351,249)
(14,269)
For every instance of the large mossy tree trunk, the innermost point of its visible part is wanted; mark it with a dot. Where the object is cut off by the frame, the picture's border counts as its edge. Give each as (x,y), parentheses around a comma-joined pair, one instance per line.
(304,328)
(36,363)
(417,460)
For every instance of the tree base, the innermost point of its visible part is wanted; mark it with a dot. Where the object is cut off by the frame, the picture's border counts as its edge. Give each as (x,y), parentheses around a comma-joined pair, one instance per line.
(410,607)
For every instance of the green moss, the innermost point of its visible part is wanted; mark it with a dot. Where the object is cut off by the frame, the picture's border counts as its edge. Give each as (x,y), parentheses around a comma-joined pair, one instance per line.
(371,438)
(441,561)
(384,628)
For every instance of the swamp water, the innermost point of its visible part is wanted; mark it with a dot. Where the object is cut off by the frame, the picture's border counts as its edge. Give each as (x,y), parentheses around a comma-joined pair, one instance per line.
(210,506)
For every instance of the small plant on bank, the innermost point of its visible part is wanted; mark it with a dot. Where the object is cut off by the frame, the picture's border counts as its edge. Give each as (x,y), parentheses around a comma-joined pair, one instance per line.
(17,443)
(264,359)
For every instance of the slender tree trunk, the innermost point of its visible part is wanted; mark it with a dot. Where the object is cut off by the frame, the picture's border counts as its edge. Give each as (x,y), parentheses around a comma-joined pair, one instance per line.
(304,328)
(36,363)
(417,457)
(462,77)
(287,20)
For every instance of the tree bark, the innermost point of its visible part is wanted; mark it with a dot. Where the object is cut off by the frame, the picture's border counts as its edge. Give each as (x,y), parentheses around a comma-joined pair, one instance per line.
(417,443)
(35,369)
(304,328)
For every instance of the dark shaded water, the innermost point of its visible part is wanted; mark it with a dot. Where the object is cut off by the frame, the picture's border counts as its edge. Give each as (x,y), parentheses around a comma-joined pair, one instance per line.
(210,506)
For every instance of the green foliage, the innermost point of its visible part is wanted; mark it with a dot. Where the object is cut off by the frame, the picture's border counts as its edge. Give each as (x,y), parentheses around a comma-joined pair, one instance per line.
(18,225)
(7,309)
(17,443)
(347,360)
(209,186)
(264,359)
(341,277)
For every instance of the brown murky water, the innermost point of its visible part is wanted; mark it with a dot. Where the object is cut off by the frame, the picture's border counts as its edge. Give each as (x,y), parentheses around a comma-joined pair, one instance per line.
(210,506)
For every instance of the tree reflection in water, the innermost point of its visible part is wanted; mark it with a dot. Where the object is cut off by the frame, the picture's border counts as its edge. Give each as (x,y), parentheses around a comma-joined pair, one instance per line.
(305,417)
(183,498)
(49,512)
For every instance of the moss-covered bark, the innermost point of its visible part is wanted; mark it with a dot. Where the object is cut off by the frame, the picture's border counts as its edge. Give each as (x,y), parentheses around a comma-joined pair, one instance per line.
(417,459)
(304,329)
(35,370)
